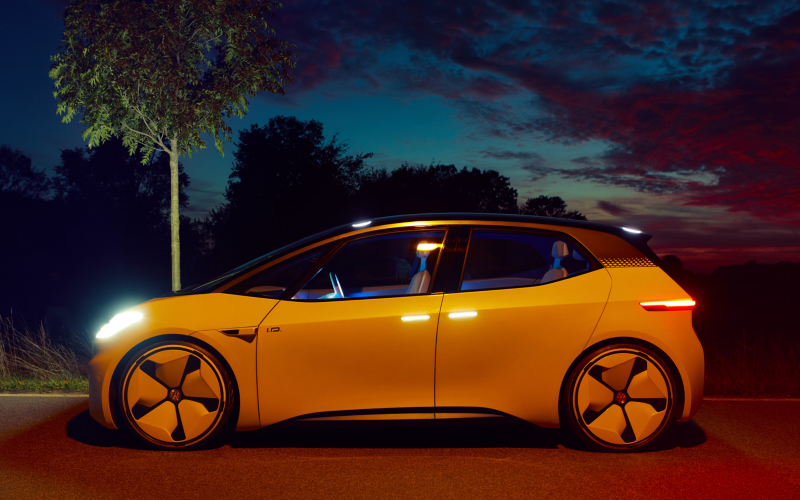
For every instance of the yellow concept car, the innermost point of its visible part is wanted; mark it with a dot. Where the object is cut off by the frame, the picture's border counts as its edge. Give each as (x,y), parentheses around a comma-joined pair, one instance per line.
(436,316)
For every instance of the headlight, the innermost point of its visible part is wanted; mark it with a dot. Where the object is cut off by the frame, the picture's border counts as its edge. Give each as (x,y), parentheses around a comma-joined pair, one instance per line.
(118,322)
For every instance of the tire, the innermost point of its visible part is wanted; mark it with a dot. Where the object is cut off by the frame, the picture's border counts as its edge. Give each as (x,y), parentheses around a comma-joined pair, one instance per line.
(620,398)
(175,395)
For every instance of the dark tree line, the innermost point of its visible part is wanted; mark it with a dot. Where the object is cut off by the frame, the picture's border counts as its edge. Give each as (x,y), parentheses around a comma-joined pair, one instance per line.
(288,182)
(95,237)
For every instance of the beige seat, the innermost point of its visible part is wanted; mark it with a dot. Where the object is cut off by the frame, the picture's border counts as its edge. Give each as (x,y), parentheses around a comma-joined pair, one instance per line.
(422,280)
(556,272)
(419,283)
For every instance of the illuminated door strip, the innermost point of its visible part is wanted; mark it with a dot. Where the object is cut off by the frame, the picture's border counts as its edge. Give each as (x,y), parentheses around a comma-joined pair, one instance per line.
(462,314)
(418,317)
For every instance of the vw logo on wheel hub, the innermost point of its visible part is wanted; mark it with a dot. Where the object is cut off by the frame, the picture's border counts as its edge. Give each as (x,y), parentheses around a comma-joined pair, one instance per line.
(174,395)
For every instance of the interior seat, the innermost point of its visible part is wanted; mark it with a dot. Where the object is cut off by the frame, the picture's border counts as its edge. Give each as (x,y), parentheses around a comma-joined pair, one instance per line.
(557,272)
(422,280)
(419,283)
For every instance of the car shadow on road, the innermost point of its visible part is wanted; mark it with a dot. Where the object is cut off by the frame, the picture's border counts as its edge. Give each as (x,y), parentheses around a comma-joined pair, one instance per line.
(84,429)
(491,433)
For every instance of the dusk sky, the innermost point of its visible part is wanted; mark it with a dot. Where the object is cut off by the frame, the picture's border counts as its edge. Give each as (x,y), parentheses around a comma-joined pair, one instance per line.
(679,118)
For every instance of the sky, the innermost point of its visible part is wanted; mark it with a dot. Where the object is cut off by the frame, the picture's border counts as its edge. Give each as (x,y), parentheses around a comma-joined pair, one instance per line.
(679,118)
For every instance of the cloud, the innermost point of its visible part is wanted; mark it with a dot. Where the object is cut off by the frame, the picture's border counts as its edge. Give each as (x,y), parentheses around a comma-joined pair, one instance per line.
(696,100)
(612,209)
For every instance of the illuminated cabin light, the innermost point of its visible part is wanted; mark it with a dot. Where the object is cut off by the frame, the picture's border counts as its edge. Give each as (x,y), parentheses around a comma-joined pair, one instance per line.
(362,224)
(462,314)
(669,305)
(418,317)
(427,247)
(631,230)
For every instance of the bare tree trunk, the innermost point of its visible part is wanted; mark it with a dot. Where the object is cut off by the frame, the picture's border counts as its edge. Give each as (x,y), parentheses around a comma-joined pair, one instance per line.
(174,216)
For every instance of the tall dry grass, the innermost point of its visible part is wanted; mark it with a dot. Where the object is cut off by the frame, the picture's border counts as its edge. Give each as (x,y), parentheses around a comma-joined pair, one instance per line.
(26,353)
(749,364)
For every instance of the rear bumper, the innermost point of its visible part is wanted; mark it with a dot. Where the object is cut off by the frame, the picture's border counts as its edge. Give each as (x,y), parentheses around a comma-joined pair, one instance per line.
(692,374)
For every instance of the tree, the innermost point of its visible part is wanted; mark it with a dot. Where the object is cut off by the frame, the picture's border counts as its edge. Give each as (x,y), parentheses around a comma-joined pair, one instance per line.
(112,215)
(549,206)
(158,74)
(26,228)
(106,183)
(287,182)
(18,177)
(435,188)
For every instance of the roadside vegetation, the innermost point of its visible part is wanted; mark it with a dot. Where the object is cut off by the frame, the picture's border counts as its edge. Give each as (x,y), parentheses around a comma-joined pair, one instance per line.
(746,320)
(751,365)
(32,362)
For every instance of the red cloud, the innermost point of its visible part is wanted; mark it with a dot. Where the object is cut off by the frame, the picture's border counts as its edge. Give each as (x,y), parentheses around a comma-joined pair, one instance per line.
(692,98)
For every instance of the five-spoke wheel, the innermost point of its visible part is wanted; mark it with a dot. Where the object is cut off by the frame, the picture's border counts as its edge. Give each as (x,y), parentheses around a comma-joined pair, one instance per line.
(620,397)
(175,395)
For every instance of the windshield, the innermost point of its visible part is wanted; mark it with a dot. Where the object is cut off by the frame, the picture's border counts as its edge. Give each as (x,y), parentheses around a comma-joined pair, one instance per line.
(219,280)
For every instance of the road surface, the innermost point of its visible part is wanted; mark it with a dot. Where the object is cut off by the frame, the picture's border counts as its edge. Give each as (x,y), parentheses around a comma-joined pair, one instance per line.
(51,448)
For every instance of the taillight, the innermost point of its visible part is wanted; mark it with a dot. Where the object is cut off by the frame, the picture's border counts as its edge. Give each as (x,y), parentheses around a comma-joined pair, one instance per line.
(669,305)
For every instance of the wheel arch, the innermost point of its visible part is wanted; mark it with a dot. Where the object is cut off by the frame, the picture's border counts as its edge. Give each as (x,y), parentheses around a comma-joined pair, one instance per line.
(123,362)
(680,396)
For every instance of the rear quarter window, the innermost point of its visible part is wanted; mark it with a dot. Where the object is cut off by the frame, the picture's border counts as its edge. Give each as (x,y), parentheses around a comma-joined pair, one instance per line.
(510,259)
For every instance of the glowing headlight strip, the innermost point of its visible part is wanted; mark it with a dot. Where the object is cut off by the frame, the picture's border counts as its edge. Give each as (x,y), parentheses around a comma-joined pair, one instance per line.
(118,322)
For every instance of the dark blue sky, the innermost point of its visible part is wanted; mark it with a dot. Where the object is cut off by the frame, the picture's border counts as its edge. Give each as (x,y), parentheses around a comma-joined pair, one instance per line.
(677,117)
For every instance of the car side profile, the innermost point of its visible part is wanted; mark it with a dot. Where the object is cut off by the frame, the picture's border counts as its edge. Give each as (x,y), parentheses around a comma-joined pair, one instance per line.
(557,322)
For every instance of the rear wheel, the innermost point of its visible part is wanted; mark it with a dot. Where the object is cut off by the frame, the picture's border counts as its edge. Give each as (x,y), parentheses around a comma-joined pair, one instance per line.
(620,398)
(175,395)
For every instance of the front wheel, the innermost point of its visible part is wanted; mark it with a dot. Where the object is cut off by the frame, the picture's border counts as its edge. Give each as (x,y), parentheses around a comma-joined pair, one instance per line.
(620,398)
(175,395)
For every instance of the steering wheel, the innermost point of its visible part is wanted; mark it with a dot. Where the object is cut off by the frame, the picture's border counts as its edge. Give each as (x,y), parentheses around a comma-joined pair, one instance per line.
(337,287)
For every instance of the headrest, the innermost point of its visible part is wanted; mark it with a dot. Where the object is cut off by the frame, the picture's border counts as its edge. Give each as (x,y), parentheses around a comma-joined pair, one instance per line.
(560,250)
(577,256)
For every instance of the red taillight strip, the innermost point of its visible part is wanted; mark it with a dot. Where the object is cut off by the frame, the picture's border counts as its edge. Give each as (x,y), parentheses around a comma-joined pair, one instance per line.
(669,305)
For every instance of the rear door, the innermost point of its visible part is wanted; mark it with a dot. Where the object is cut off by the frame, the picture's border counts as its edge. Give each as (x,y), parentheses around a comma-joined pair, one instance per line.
(526,304)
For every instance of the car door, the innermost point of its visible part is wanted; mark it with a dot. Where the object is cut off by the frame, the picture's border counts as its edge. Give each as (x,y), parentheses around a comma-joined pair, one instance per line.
(359,337)
(526,304)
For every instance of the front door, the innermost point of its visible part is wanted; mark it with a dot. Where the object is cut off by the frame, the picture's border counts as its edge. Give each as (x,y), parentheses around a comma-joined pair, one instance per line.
(359,337)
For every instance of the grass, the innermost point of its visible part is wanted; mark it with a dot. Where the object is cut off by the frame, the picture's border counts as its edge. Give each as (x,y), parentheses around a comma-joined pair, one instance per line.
(33,384)
(31,362)
(752,365)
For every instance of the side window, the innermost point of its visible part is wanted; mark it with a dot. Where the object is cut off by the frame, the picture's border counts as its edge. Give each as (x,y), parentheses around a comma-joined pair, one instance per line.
(505,259)
(272,281)
(378,266)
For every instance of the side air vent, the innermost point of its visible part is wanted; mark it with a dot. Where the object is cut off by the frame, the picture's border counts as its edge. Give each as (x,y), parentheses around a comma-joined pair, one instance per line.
(246,334)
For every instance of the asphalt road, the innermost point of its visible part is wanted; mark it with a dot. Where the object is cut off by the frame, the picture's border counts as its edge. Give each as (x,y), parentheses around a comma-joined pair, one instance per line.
(51,448)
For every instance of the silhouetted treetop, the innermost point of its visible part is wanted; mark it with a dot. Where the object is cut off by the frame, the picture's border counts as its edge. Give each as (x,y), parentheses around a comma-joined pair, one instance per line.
(549,206)
(435,188)
(106,179)
(287,182)
(19,177)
